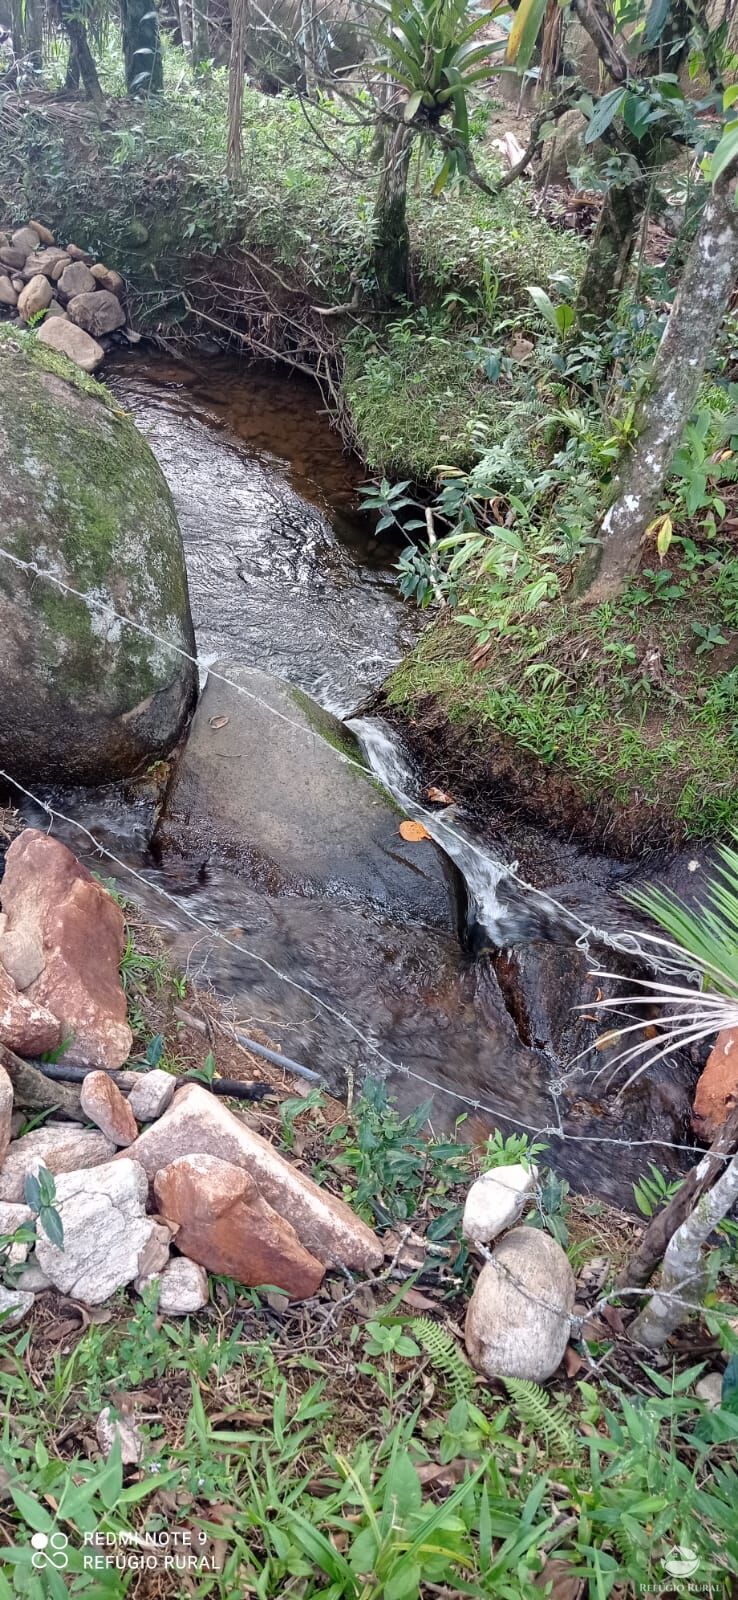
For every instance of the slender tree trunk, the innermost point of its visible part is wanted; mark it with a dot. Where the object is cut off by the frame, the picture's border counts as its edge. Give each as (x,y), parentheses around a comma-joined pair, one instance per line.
(683,1274)
(391,238)
(185,25)
(201,51)
(610,252)
(309,30)
(35,33)
(235,87)
(17,29)
(142,47)
(71,79)
(706,285)
(79,46)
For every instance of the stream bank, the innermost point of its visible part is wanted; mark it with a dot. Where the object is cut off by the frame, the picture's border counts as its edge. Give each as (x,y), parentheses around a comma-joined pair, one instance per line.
(282,573)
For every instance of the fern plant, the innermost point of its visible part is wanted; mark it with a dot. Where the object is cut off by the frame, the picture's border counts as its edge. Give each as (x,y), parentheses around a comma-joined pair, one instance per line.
(544,1418)
(445,1357)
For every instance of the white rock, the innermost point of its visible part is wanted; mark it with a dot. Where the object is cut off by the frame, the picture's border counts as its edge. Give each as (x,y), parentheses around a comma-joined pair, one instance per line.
(106,1232)
(6,1111)
(59,1147)
(709,1389)
(151,1094)
(109,1428)
(32,1278)
(183,1287)
(519,1316)
(13,1217)
(496,1200)
(14,1306)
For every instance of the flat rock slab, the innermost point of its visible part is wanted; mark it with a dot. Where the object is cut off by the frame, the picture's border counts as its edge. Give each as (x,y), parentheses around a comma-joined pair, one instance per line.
(269,794)
(224,1223)
(107,1235)
(198,1124)
(59,1147)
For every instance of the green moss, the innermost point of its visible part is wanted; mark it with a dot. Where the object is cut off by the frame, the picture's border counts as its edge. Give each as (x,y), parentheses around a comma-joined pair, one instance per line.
(326,725)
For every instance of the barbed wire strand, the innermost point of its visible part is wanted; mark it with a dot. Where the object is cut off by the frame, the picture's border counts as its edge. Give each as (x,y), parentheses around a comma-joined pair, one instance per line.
(539,1130)
(625,943)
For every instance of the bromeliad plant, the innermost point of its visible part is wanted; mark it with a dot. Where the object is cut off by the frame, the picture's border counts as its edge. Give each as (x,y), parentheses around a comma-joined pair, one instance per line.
(433,52)
(698,951)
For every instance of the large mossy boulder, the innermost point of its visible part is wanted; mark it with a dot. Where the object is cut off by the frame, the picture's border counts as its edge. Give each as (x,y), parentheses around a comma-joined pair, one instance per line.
(83,698)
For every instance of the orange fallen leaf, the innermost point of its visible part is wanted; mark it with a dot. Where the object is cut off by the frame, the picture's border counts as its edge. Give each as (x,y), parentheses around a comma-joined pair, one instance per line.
(439,796)
(573,1362)
(414,831)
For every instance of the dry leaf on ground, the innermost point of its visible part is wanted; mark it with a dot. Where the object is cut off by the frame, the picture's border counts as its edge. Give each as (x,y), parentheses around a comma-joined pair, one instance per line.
(413,831)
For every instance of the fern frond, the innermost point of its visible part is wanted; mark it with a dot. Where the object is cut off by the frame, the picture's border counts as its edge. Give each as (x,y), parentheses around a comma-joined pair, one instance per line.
(445,1357)
(535,1411)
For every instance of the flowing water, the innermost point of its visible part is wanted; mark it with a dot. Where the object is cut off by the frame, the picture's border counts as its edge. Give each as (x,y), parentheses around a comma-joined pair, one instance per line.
(286,575)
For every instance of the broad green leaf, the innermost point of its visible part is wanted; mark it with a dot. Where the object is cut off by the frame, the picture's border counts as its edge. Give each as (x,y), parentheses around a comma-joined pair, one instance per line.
(658,12)
(543,303)
(725,154)
(34,1514)
(564,315)
(604,112)
(524,32)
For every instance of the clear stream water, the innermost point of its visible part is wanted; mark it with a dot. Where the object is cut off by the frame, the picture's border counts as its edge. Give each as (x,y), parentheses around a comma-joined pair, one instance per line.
(286,575)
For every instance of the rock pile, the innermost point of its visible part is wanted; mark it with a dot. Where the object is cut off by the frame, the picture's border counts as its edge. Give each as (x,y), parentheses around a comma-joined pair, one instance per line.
(197,1177)
(75,302)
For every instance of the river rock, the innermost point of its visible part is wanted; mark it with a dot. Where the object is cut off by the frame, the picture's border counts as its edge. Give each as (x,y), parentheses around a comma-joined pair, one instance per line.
(15,1304)
(97,312)
(79,931)
(106,1232)
(272,797)
(45,235)
(76,253)
(124,1432)
(103,1103)
(519,1316)
(44,261)
(224,1223)
(55,310)
(76,279)
(198,1124)
(27,1028)
(72,341)
(10,257)
(18,283)
(496,1200)
(717,1089)
(84,698)
(108,279)
(59,1147)
(25,239)
(35,297)
(8,295)
(56,271)
(31,1277)
(6,1111)
(151,1094)
(13,1217)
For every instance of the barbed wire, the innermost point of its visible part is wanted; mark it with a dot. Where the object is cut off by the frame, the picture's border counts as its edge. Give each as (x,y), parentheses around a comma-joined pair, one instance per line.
(625,943)
(551,1129)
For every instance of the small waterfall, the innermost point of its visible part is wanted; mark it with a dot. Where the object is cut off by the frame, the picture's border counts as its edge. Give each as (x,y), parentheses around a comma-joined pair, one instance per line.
(483,872)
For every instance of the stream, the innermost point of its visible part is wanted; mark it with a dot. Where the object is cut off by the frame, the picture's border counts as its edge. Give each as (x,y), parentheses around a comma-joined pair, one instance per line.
(286,575)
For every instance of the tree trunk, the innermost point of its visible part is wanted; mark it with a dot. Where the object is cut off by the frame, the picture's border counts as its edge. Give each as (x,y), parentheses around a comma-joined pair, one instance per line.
(185,25)
(35,33)
(683,1276)
(71,79)
(309,31)
(201,51)
(391,238)
(704,291)
(79,47)
(235,87)
(610,252)
(17,29)
(142,47)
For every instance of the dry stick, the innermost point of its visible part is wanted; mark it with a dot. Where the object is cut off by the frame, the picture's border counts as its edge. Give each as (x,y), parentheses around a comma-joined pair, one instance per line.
(641,1266)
